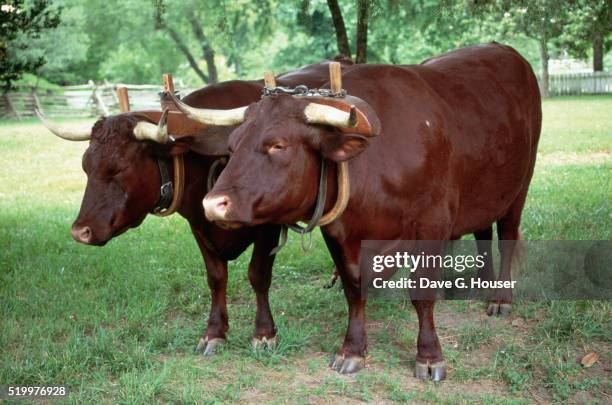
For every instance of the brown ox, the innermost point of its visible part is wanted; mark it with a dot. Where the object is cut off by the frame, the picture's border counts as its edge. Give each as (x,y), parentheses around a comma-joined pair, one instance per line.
(455,155)
(123,187)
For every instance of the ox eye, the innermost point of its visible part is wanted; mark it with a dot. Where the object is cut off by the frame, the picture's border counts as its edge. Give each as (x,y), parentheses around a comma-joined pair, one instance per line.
(277,147)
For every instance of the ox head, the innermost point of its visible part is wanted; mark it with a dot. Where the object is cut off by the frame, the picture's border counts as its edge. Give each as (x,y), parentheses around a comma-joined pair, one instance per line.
(123,179)
(275,157)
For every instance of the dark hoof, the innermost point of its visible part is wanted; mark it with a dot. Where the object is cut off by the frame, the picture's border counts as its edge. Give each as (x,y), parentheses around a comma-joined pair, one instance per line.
(264,343)
(492,309)
(434,371)
(347,365)
(504,309)
(495,309)
(208,346)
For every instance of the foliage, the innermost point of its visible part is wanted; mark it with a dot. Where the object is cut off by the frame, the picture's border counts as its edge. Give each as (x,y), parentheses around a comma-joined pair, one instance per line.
(588,21)
(205,41)
(20,23)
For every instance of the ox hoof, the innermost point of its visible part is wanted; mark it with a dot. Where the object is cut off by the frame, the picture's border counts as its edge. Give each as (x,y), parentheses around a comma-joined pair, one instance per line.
(264,343)
(347,365)
(499,309)
(208,346)
(434,371)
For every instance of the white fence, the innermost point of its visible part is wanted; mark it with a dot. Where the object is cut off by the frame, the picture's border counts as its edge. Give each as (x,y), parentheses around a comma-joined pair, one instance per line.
(577,84)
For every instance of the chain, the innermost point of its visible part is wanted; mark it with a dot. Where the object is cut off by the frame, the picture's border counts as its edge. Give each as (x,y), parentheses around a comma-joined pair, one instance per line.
(302,90)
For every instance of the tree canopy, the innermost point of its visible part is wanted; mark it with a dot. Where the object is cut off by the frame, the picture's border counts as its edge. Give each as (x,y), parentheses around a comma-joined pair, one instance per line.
(20,24)
(205,41)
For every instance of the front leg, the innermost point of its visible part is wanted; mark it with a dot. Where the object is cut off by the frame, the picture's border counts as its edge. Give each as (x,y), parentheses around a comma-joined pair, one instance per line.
(260,277)
(429,360)
(216,271)
(350,358)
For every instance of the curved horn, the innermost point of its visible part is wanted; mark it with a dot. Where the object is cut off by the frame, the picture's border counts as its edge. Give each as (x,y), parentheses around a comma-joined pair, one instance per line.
(210,117)
(71,133)
(157,133)
(324,114)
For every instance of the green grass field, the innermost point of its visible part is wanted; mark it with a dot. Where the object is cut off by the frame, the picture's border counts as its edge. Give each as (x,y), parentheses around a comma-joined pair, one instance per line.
(118,324)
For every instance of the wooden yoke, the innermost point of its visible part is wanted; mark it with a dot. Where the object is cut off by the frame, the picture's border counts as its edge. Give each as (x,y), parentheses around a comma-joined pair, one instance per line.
(124,101)
(335,77)
(342,173)
(166,101)
(269,80)
(177,162)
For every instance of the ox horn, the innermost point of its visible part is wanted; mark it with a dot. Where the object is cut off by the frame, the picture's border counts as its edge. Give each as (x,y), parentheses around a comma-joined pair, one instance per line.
(157,133)
(324,114)
(69,133)
(210,117)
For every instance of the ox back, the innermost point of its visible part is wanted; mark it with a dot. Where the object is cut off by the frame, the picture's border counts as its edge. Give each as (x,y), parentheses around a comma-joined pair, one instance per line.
(457,148)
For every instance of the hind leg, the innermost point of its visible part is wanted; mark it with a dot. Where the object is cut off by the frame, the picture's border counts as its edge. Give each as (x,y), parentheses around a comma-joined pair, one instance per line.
(508,234)
(486,272)
(484,242)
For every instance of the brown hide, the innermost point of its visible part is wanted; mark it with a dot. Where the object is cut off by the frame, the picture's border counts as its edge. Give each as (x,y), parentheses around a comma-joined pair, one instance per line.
(455,155)
(123,186)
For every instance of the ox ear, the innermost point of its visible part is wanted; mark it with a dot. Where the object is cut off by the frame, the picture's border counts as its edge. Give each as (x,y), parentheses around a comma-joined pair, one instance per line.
(341,146)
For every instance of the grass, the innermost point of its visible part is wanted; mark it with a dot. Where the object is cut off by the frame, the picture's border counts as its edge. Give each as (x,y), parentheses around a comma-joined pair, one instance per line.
(118,324)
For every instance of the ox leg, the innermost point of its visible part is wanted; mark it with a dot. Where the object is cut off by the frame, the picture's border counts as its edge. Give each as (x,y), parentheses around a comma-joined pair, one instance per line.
(350,358)
(429,360)
(484,244)
(486,272)
(260,277)
(216,272)
(508,235)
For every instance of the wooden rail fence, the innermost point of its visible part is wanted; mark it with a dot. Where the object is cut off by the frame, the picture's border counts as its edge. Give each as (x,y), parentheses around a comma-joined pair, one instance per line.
(92,99)
(87,100)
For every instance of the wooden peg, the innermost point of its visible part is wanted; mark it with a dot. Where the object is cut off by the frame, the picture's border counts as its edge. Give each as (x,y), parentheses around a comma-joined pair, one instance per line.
(335,77)
(124,101)
(168,83)
(269,80)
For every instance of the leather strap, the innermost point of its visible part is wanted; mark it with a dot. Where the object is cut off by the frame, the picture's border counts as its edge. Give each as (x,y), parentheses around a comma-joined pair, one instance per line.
(171,192)
(318,212)
(314,221)
(214,172)
(166,190)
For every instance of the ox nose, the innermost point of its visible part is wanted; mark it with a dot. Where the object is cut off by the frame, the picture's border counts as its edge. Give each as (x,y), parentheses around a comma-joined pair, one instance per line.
(216,207)
(82,234)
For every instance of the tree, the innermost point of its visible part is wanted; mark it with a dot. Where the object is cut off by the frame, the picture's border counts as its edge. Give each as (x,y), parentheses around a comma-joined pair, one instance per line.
(63,48)
(207,51)
(542,20)
(19,23)
(341,37)
(589,28)
(363,17)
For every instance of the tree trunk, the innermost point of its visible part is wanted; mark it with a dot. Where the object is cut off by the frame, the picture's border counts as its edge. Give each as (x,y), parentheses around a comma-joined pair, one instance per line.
(597,53)
(341,37)
(207,52)
(363,9)
(183,48)
(544,68)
